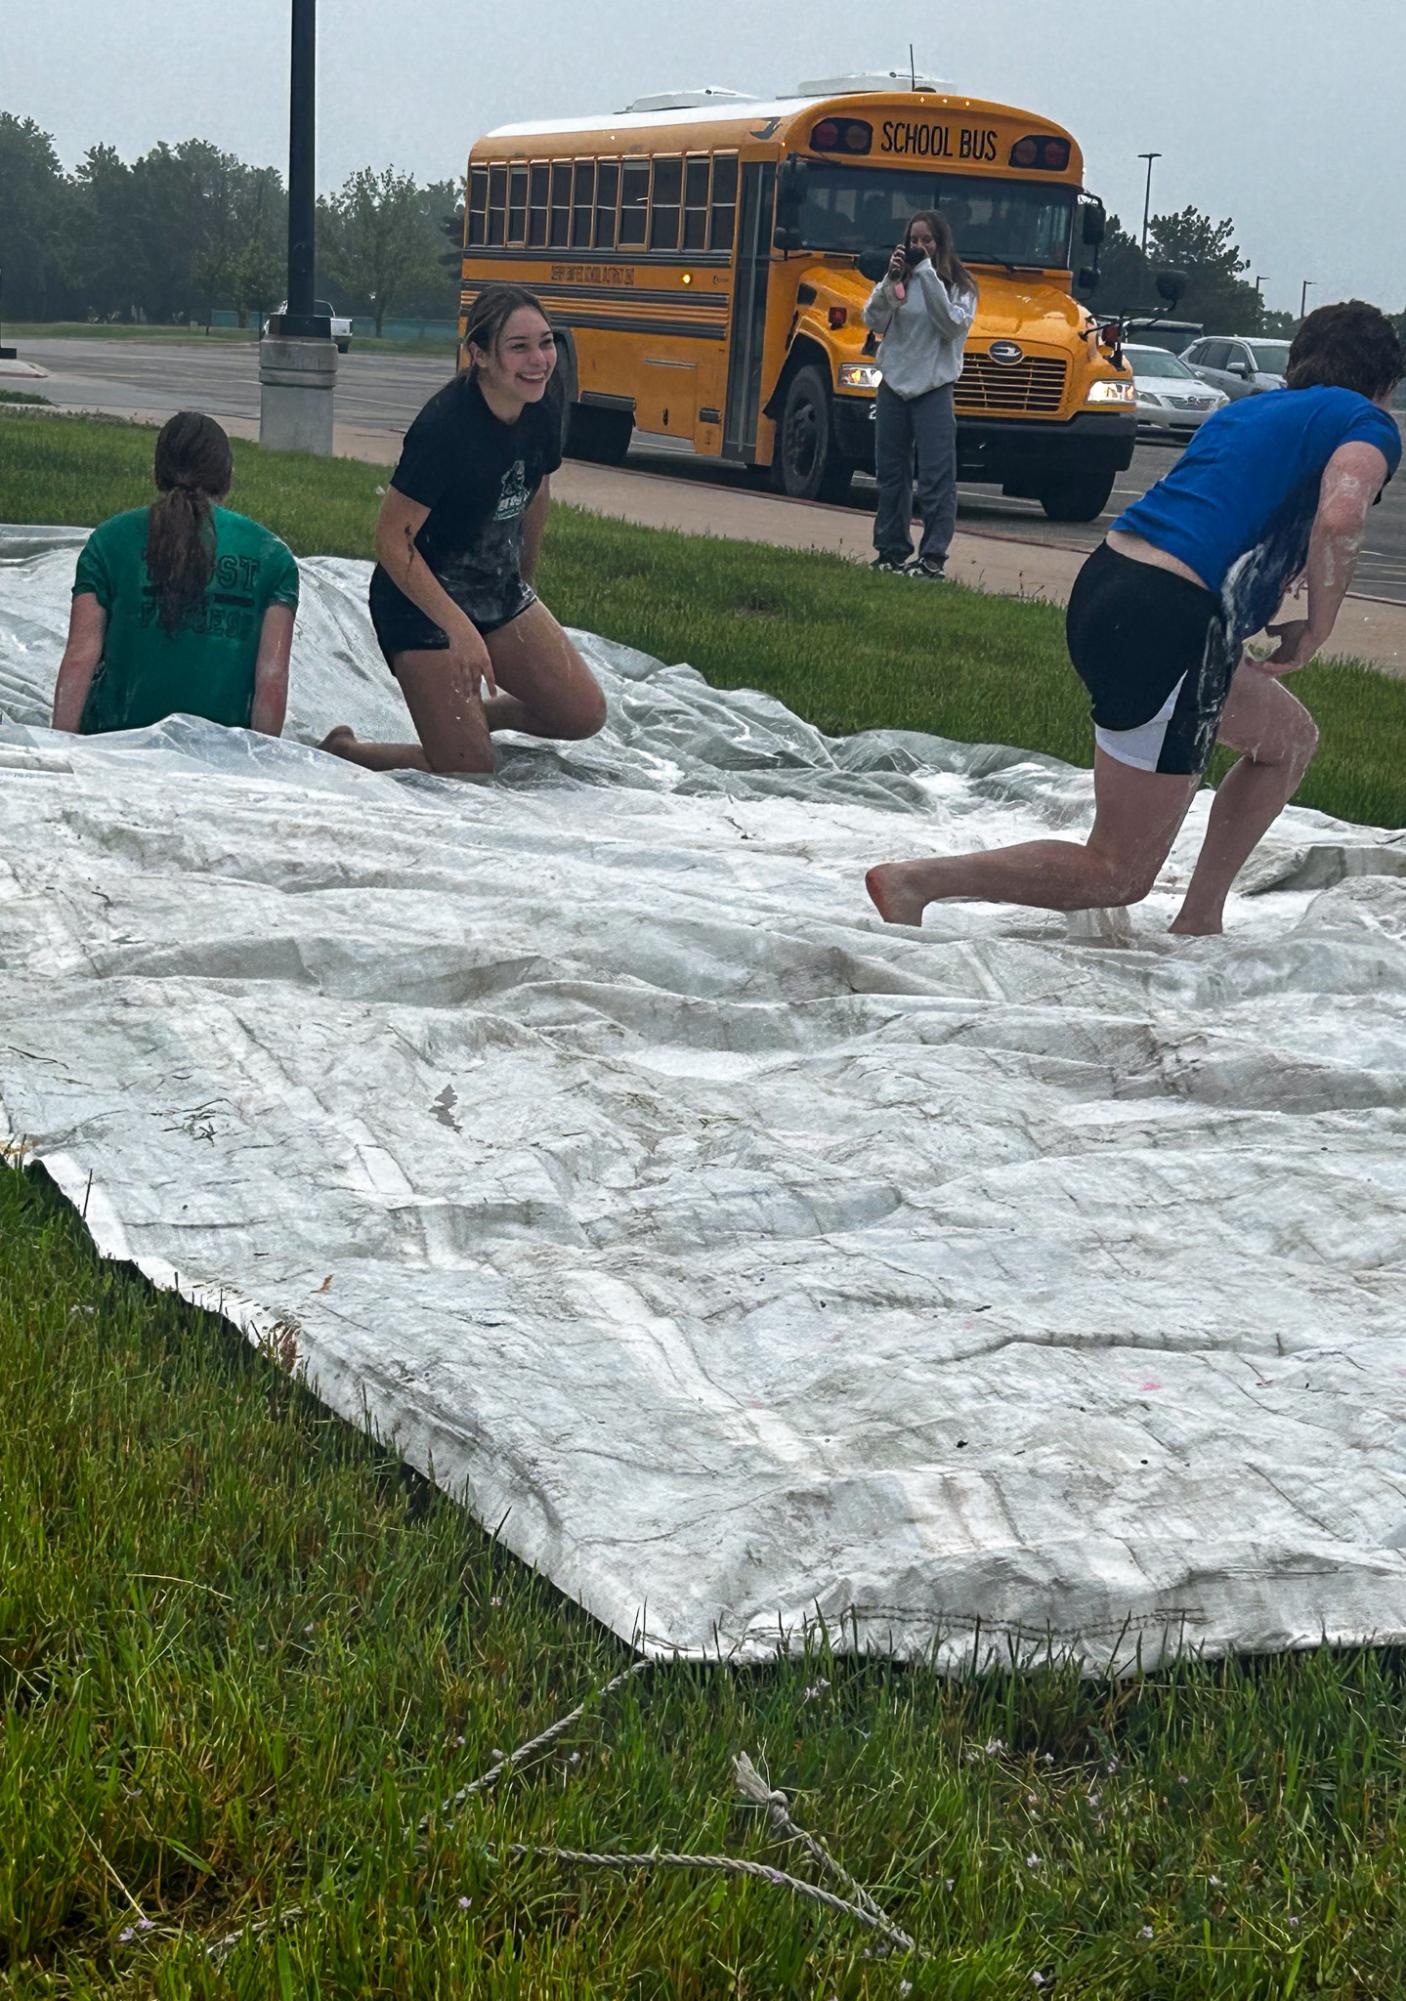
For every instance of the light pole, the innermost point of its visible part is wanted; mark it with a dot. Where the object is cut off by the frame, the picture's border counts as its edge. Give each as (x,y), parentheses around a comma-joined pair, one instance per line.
(1259,283)
(1147,198)
(298,359)
(1303,296)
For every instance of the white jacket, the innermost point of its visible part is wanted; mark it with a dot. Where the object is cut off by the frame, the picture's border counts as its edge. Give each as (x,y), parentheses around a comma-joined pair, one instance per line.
(923,337)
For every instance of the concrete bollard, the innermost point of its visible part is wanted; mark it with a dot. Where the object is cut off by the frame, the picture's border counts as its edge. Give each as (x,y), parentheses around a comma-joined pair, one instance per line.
(296,380)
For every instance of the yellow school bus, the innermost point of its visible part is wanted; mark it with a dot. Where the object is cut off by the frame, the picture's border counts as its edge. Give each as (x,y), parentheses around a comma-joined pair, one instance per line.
(705,258)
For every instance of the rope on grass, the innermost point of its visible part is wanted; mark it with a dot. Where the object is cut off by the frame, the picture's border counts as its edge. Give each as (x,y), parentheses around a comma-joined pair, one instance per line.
(507,1759)
(754,1787)
(726,1865)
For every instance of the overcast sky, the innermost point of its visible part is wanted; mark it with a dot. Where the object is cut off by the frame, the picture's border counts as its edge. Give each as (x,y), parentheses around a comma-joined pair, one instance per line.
(1261,112)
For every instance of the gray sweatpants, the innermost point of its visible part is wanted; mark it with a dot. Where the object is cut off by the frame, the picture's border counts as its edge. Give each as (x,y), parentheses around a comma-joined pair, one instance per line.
(901,424)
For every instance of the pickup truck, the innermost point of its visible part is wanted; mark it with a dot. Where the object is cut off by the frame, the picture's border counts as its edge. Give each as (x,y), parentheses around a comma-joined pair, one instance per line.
(341,324)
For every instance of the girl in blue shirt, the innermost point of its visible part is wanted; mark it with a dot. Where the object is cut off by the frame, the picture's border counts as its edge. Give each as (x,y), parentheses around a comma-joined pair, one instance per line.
(1273,487)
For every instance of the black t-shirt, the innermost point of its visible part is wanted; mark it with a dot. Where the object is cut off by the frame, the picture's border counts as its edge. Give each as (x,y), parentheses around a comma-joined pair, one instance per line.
(477,476)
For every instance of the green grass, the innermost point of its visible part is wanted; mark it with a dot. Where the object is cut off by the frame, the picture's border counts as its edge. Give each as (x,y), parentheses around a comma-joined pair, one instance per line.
(846,649)
(425,344)
(243,1651)
(21,396)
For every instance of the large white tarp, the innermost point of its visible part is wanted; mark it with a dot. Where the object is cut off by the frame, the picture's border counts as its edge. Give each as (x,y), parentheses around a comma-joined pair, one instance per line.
(748,1261)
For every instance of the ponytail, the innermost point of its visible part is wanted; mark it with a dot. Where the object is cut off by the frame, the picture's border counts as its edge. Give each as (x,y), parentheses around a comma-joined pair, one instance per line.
(193,471)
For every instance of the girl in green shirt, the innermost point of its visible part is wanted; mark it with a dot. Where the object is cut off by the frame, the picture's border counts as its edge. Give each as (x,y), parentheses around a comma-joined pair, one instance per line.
(180,608)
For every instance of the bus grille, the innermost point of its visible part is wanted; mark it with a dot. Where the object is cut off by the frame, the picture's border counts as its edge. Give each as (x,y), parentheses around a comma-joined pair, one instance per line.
(1036,383)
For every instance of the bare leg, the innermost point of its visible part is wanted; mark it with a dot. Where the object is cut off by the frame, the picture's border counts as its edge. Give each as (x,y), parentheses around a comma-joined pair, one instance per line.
(546,687)
(1136,817)
(1277,737)
(448,717)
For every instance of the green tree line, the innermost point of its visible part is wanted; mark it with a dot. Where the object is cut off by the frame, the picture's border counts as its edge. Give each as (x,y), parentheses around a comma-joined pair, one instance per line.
(187,229)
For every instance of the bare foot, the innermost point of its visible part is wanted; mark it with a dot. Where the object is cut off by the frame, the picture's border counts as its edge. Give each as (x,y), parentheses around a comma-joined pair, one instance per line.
(1190,927)
(336,740)
(895,902)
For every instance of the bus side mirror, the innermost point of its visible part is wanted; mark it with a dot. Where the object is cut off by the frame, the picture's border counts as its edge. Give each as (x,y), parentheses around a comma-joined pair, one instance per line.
(1171,285)
(1088,278)
(1095,223)
(872,264)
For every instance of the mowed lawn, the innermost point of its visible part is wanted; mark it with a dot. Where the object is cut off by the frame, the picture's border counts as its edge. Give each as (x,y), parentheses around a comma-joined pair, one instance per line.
(244,1654)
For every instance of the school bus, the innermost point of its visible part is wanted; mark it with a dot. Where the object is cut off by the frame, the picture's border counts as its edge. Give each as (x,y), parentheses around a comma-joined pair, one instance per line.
(705,258)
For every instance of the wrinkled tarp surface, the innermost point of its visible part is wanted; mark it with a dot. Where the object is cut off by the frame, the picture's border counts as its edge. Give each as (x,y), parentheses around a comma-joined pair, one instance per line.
(747,1260)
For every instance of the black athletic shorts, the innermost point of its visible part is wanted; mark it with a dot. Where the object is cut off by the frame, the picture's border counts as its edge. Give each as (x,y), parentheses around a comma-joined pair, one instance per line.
(488,603)
(1154,653)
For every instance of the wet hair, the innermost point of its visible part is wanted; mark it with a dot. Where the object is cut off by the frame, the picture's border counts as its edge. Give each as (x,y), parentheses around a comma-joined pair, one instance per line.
(1349,346)
(193,471)
(947,264)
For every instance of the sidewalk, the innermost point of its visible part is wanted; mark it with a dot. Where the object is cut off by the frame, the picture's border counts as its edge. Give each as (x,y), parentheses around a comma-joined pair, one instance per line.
(1368,629)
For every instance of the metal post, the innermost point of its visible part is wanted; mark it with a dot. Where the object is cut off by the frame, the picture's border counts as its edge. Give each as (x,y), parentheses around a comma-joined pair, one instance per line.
(1303,296)
(1147,198)
(297,357)
(299,321)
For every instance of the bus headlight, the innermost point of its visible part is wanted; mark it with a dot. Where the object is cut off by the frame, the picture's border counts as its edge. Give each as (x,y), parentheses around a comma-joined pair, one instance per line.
(860,375)
(1111,392)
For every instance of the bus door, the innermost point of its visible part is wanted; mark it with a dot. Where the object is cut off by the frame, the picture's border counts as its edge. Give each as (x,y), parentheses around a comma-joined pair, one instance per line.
(748,331)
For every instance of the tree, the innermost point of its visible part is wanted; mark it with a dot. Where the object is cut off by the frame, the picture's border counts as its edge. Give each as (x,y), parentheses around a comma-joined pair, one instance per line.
(112,249)
(372,237)
(1206,251)
(260,268)
(37,222)
(1125,279)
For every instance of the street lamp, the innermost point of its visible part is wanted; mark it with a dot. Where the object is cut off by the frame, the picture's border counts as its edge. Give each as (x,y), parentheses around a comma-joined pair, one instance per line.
(1259,283)
(1303,296)
(1147,198)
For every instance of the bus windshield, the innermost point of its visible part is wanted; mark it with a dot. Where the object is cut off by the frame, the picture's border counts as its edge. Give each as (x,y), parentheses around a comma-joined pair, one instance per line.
(993,222)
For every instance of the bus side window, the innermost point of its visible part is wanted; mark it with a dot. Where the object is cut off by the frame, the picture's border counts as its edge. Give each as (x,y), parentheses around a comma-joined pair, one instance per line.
(666,203)
(478,206)
(583,202)
(723,213)
(497,204)
(537,204)
(634,201)
(561,204)
(695,202)
(517,205)
(607,199)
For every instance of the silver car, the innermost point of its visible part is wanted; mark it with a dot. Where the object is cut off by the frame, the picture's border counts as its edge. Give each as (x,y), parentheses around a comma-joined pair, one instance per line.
(1171,401)
(1240,364)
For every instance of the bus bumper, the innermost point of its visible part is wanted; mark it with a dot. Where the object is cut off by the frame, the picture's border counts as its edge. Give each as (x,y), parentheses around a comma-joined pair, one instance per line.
(1007,451)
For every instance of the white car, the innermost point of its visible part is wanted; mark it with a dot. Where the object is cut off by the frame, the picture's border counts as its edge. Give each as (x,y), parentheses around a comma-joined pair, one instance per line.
(341,324)
(1240,364)
(1171,401)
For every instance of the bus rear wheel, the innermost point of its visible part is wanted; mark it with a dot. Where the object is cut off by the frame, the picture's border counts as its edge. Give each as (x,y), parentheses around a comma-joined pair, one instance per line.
(809,465)
(1081,495)
(600,435)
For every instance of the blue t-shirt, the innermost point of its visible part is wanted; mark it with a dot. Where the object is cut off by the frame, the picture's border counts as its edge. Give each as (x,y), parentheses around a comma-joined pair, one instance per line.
(1238,506)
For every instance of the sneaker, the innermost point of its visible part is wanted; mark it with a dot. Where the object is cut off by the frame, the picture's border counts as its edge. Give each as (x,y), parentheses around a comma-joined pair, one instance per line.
(891,565)
(925,566)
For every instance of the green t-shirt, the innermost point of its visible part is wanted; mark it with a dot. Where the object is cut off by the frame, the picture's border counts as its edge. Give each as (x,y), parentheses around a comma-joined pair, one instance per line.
(204,668)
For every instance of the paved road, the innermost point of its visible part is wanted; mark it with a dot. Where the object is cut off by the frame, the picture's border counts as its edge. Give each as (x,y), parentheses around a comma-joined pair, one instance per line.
(384,392)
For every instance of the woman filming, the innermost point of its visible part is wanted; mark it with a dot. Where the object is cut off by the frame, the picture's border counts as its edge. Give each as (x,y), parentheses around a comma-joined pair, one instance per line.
(923,307)
(180,608)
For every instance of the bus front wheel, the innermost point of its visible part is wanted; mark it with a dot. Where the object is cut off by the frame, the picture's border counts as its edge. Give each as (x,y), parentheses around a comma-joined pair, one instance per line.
(1080,495)
(809,465)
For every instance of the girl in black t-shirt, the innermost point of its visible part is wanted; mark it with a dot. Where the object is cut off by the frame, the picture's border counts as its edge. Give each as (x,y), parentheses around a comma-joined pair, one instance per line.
(473,647)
